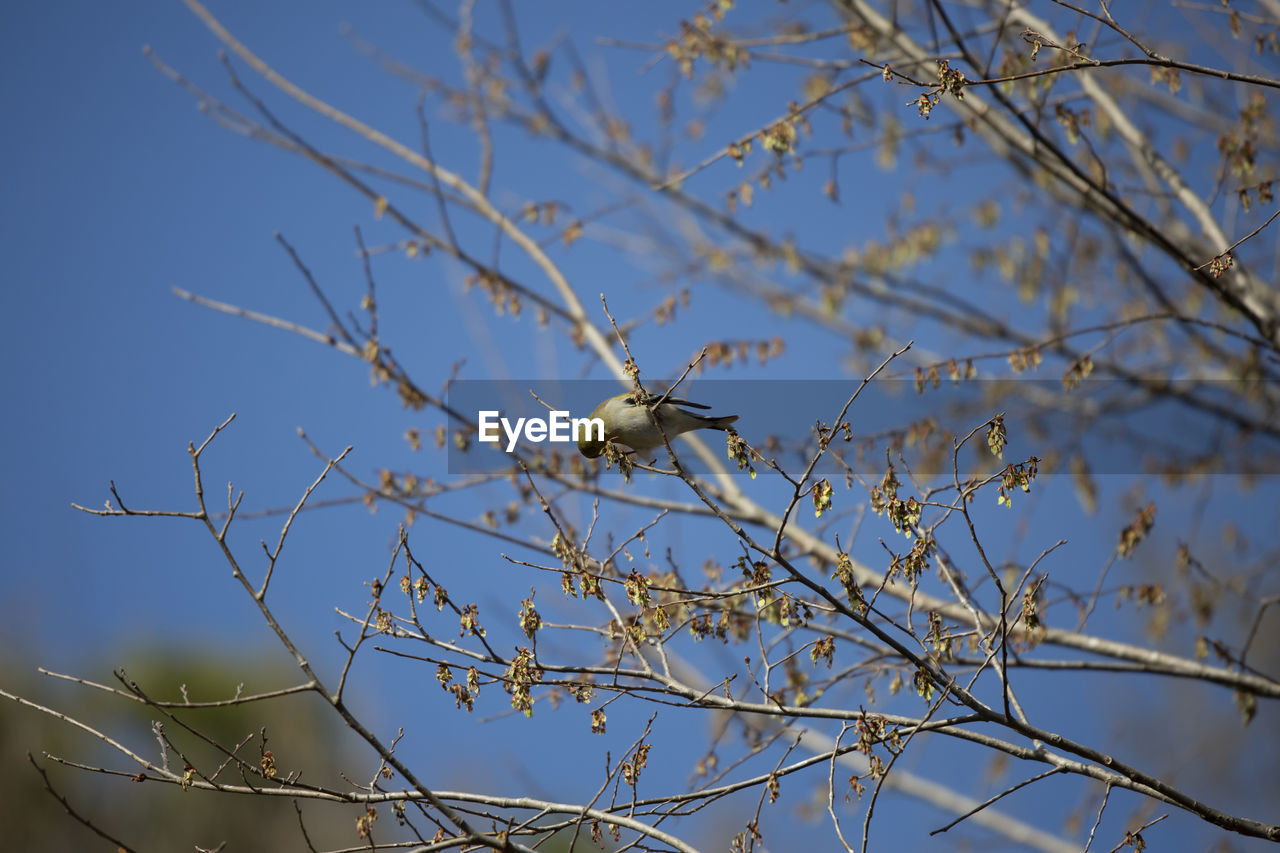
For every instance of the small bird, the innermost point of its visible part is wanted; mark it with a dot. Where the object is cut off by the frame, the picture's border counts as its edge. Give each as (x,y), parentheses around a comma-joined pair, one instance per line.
(627,421)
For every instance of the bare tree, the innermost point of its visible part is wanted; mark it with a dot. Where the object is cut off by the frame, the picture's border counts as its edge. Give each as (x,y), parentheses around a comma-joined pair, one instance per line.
(1076,195)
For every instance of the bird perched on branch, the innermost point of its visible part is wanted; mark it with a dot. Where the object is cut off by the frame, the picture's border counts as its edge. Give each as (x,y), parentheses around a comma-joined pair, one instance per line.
(627,421)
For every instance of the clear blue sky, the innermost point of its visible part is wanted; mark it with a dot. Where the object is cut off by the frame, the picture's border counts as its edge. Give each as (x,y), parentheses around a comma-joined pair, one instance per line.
(118,189)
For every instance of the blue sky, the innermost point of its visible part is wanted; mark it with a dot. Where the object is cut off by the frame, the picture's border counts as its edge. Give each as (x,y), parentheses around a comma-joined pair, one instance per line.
(117,189)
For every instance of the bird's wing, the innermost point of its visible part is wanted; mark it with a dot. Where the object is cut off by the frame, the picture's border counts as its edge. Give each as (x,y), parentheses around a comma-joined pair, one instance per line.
(630,400)
(678,402)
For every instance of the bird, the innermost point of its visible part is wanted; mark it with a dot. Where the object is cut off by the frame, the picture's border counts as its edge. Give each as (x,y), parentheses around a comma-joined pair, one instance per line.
(627,421)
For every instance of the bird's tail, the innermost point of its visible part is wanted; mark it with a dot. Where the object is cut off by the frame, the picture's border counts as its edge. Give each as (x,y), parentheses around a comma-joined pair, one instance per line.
(721,423)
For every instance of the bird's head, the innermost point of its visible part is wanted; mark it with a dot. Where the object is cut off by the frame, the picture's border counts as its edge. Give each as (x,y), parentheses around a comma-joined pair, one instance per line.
(590,444)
